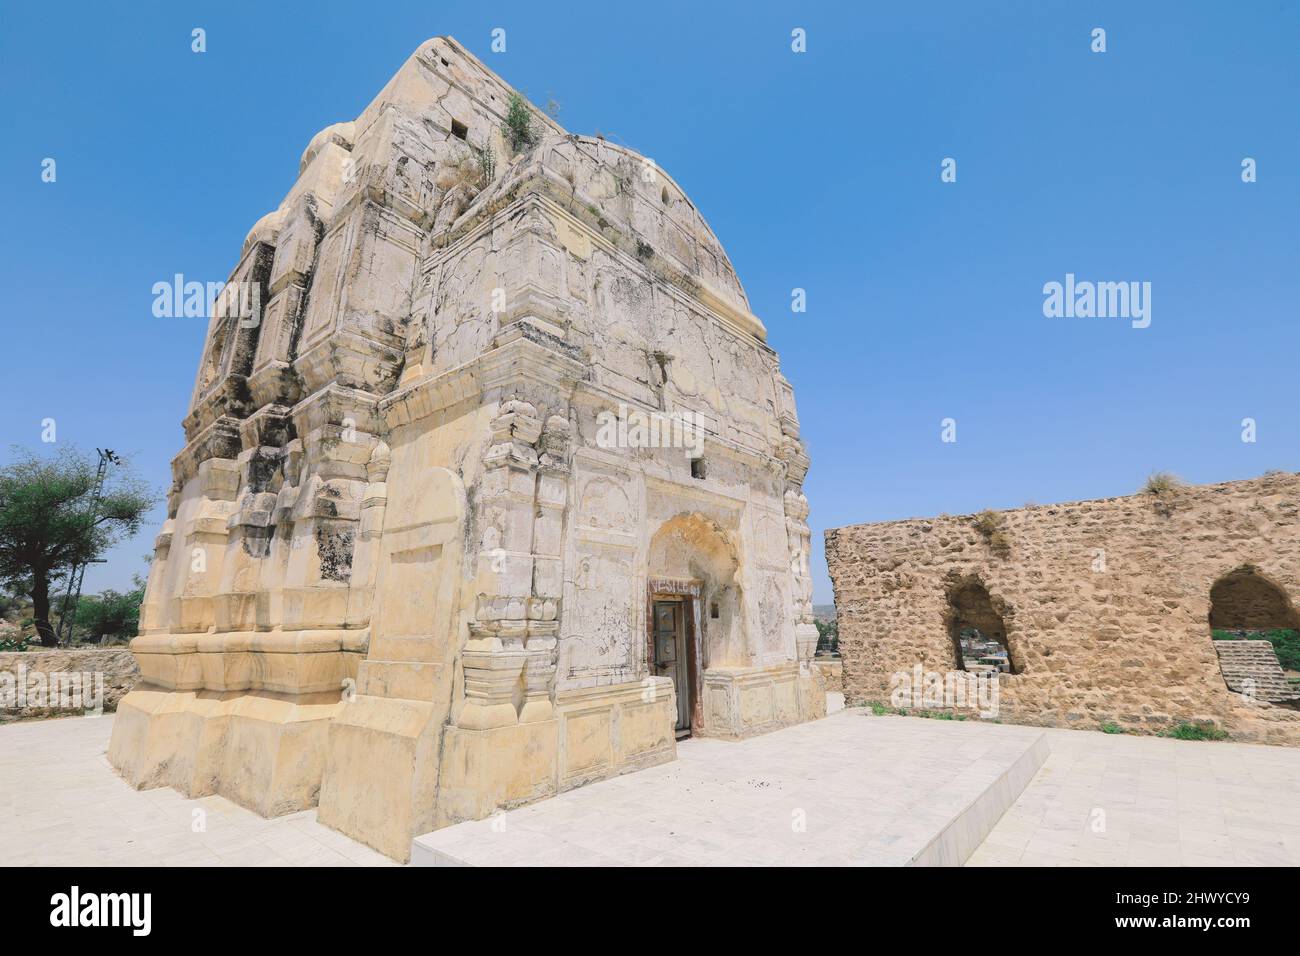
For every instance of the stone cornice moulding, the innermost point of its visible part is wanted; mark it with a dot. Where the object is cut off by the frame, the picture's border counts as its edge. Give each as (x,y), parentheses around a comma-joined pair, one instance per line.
(740,322)
(731,505)
(743,324)
(515,359)
(599,398)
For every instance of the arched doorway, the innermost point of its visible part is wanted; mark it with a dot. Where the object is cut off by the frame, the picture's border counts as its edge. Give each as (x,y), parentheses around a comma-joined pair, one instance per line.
(1256,631)
(977,630)
(693,609)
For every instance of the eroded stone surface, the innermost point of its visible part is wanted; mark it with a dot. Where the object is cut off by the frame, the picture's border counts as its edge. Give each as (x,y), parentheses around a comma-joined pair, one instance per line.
(408,569)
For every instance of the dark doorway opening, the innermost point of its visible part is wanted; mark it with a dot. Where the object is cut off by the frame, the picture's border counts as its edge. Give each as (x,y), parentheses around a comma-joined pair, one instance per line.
(672,651)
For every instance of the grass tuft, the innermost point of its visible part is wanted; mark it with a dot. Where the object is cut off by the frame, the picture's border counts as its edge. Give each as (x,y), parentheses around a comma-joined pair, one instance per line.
(1198,730)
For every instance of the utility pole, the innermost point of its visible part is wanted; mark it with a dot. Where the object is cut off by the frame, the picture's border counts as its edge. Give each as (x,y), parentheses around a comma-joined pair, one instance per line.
(68,614)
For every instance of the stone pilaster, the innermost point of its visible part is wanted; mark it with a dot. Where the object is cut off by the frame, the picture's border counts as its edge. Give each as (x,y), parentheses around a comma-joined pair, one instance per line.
(494,655)
(790,451)
(367,549)
(204,526)
(337,427)
(553,471)
(535,293)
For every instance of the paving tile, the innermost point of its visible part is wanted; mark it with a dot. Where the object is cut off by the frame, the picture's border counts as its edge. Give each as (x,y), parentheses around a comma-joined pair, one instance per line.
(70,808)
(1165,802)
(1162,803)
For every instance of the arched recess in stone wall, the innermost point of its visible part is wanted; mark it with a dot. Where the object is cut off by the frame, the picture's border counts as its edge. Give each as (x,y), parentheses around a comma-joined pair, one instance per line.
(691,547)
(1246,600)
(1256,631)
(970,608)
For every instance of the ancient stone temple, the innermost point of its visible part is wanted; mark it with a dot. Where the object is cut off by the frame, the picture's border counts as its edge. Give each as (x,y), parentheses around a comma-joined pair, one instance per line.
(491,484)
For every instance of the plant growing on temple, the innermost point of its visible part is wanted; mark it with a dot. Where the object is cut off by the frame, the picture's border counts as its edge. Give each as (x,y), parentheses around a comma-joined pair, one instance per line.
(518,126)
(487,165)
(49,522)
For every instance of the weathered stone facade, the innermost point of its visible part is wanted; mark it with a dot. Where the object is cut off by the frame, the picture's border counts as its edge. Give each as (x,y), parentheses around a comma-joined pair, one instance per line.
(403,575)
(1105,606)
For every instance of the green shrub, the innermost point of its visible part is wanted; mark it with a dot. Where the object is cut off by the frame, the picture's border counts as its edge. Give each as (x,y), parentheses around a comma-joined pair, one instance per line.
(1110,727)
(518,127)
(110,614)
(18,643)
(487,165)
(1200,730)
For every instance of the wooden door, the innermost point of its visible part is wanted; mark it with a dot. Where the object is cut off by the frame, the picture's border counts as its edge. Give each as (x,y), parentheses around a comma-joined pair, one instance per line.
(670,658)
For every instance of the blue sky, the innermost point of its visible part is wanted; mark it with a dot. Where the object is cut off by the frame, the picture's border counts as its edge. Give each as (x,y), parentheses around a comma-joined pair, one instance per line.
(817,170)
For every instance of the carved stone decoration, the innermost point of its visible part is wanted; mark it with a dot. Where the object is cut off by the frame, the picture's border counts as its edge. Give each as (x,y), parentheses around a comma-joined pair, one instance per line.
(539,680)
(492,680)
(402,574)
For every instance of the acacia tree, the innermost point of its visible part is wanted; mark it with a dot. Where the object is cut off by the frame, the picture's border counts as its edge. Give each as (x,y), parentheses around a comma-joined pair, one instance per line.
(48,521)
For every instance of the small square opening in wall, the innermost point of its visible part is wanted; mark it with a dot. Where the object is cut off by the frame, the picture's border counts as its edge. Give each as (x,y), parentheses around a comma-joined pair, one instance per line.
(459,129)
(698,468)
(713,611)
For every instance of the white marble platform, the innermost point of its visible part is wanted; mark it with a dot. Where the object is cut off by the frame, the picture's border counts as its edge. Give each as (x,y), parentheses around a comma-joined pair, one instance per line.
(851,789)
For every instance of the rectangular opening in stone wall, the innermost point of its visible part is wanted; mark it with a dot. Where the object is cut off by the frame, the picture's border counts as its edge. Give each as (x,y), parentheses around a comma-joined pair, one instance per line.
(698,468)
(459,129)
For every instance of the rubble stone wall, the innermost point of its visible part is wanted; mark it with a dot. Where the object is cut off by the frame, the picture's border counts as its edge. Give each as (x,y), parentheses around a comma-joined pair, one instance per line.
(1106,604)
(103,677)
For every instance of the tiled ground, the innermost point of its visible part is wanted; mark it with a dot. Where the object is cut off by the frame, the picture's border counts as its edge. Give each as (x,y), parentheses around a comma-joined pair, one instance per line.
(1160,801)
(61,804)
(1146,801)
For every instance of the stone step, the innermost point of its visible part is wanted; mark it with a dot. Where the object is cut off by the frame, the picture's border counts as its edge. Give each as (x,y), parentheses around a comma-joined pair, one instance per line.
(1256,662)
